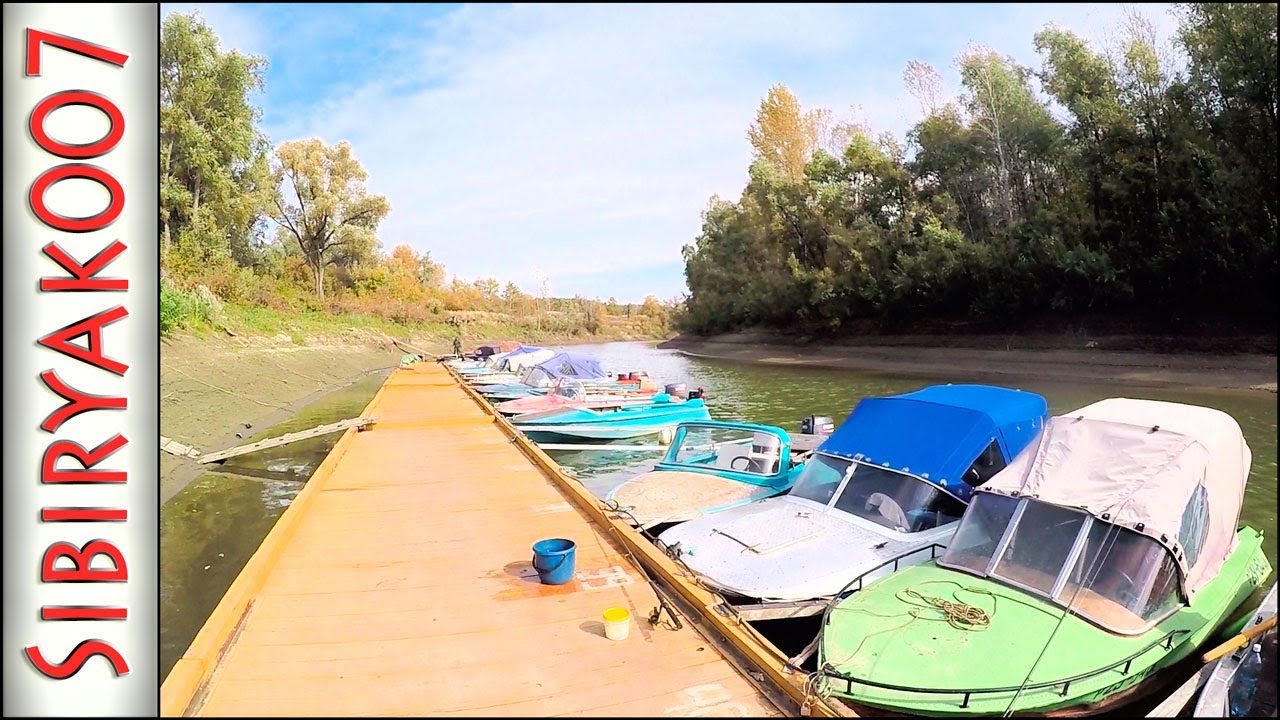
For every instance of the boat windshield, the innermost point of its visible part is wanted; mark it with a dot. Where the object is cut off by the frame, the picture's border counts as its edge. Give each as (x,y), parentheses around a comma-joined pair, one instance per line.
(537,376)
(742,450)
(889,498)
(570,389)
(1119,579)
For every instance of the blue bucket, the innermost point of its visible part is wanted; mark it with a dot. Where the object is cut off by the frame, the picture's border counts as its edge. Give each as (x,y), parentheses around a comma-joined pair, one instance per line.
(553,559)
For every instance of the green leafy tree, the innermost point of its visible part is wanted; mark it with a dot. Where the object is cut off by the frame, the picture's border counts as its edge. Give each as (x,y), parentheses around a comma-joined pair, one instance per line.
(322,205)
(214,178)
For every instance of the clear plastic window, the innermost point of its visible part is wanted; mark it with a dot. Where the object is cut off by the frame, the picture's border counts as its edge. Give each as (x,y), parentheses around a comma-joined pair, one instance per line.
(1122,580)
(538,377)
(981,528)
(896,500)
(570,390)
(820,478)
(1195,524)
(1039,545)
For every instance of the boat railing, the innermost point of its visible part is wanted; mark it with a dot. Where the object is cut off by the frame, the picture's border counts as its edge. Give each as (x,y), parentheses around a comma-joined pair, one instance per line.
(795,662)
(895,561)
(1123,665)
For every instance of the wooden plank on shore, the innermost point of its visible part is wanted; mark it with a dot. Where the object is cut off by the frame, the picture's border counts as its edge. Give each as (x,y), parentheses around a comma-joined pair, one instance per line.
(173,447)
(359,422)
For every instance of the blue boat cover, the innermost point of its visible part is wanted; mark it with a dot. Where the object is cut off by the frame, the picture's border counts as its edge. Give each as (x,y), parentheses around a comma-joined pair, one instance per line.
(572,364)
(937,433)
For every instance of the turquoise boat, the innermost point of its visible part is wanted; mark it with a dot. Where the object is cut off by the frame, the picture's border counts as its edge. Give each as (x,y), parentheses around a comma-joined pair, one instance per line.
(710,466)
(1077,580)
(631,421)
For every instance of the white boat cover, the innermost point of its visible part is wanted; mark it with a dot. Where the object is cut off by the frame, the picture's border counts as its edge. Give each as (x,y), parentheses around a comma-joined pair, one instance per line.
(1138,464)
(516,363)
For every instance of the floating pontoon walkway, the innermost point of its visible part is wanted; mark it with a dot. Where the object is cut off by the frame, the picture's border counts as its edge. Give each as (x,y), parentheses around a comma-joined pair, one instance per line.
(399,583)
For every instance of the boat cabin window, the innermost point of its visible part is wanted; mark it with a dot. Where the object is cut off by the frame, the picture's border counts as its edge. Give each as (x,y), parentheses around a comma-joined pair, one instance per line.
(1195,524)
(990,462)
(820,478)
(737,449)
(1117,578)
(896,500)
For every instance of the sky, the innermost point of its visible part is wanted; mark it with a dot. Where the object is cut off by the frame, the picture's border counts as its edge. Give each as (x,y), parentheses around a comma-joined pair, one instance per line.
(576,146)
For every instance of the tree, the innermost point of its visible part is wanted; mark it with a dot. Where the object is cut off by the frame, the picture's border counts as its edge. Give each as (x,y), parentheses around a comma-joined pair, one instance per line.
(925,85)
(334,216)
(783,134)
(214,177)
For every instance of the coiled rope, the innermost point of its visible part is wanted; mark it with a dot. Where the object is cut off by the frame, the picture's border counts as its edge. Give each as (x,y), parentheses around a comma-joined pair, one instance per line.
(958,614)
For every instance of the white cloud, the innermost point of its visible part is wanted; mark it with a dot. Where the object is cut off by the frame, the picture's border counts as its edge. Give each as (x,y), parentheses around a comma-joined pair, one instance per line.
(588,138)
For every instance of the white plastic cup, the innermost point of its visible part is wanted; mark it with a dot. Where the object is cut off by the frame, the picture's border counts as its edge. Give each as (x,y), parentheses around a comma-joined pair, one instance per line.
(617,623)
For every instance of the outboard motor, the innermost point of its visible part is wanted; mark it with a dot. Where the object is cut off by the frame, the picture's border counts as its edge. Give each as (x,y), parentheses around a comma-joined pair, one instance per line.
(677,390)
(817,425)
(695,394)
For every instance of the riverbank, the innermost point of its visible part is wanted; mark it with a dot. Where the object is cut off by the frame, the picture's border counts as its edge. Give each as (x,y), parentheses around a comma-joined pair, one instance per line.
(216,391)
(1065,357)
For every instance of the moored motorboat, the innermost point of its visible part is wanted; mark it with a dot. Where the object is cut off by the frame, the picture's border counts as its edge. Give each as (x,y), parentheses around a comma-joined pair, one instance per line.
(892,480)
(536,379)
(1103,556)
(662,413)
(709,467)
(569,393)
(509,369)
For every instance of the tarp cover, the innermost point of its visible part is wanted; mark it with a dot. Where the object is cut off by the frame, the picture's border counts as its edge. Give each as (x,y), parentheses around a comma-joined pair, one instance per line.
(572,364)
(523,357)
(936,433)
(1137,464)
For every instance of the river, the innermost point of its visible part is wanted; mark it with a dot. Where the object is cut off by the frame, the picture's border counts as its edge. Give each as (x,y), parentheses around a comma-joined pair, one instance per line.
(211,528)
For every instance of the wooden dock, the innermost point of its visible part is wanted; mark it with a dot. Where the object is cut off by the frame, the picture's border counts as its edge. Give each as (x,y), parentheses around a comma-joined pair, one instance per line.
(399,583)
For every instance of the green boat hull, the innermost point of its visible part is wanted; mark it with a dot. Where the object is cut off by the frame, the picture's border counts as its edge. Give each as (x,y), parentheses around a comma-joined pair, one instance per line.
(887,649)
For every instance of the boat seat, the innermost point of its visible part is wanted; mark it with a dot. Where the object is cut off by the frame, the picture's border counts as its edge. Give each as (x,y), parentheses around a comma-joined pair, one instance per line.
(727,453)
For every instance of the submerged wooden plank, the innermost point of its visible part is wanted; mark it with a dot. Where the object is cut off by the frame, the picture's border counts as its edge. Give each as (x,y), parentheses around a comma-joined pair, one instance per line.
(285,439)
(400,583)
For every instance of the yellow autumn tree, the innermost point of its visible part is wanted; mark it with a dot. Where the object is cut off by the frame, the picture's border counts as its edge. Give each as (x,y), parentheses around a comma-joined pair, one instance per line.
(783,134)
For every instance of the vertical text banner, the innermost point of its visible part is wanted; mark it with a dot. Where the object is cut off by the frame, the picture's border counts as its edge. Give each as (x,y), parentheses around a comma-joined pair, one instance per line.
(81,356)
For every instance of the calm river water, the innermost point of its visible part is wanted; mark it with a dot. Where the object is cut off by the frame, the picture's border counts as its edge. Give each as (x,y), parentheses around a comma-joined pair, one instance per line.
(209,530)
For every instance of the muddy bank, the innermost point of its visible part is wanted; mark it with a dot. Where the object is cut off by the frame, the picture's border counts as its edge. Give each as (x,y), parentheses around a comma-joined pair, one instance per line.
(997,357)
(216,387)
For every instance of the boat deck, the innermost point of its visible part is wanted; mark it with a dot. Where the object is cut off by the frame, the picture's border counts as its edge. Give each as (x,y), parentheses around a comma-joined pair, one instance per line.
(399,583)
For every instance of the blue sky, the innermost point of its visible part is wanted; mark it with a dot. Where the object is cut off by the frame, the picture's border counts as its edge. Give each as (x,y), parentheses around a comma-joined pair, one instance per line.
(581,143)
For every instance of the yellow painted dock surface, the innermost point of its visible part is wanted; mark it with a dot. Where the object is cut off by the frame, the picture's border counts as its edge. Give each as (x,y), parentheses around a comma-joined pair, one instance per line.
(399,583)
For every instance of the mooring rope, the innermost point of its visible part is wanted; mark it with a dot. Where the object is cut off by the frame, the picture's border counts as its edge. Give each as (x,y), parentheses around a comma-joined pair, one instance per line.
(959,615)
(955,612)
